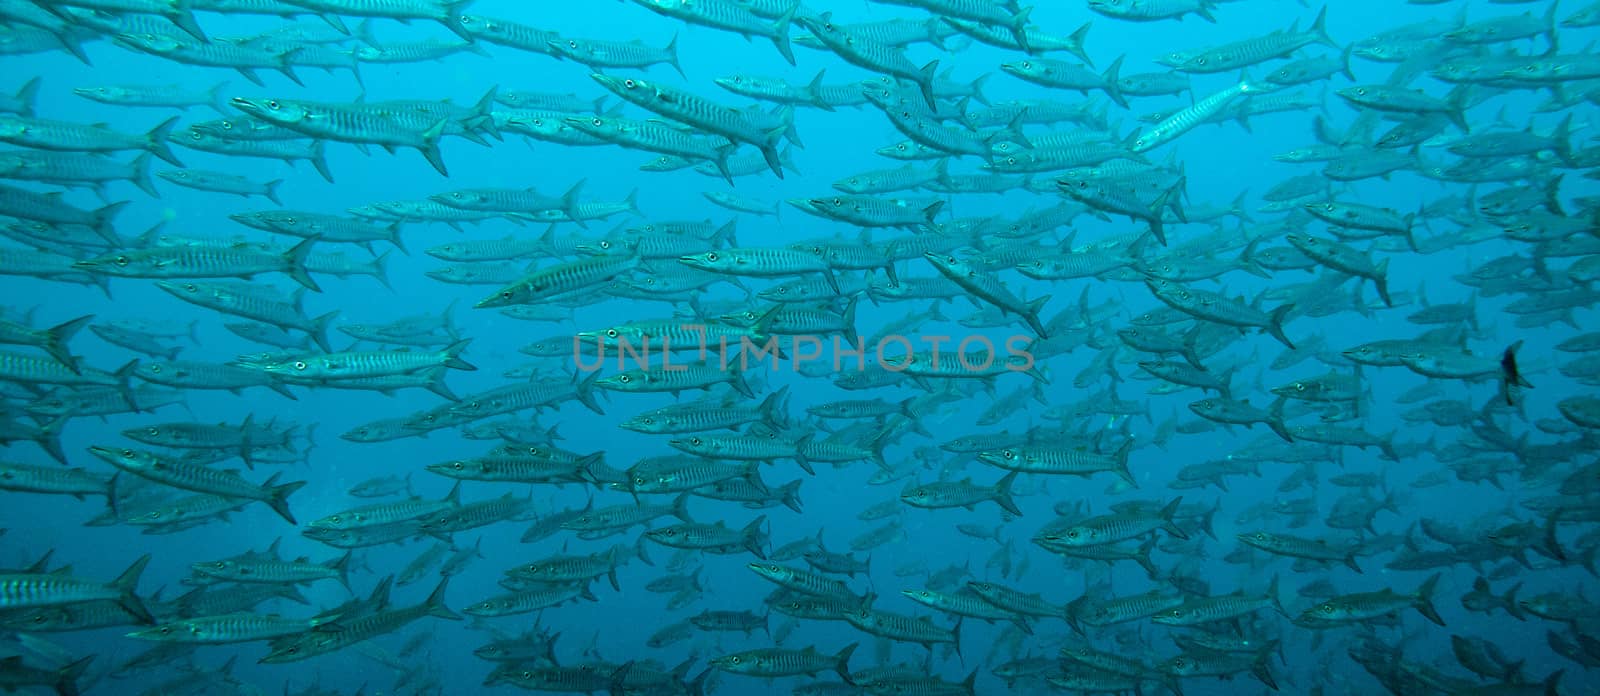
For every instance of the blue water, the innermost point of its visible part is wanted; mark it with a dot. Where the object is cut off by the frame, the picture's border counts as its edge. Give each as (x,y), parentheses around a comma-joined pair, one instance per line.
(1221,161)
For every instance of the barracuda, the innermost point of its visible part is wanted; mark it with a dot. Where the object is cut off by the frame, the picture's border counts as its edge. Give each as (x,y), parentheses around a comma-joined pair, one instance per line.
(653,137)
(709,415)
(30,590)
(227,484)
(696,111)
(343,123)
(1176,125)
(205,261)
(343,634)
(743,18)
(561,279)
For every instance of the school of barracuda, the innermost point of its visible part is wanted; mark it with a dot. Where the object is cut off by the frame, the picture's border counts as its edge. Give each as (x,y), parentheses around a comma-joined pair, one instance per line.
(1049,520)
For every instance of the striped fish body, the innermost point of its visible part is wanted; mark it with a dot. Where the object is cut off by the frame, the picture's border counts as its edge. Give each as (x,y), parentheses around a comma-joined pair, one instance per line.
(778,662)
(561,279)
(230,628)
(1191,116)
(355,631)
(37,369)
(700,375)
(529,601)
(1125,609)
(475,515)
(679,474)
(1014,601)
(368,364)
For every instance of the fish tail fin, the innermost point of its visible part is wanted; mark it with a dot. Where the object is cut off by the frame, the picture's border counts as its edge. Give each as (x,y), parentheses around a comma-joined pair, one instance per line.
(842,662)
(67,678)
(271,191)
(319,160)
(925,78)
(452,356)
(1002,494)
(294,262)
(780,34)
(1168,513)
(101,222)
(28,95)
(1320,29)
(1075,42)
(1275,325)
(1122,462)
(435,603)
(1424,599)
(1112,77)
(672,56)
(754,540)
(141,175)
(790,492)
(586,393)
(429,147)
(319,330)
(1018,24)
(56,337)
(156,142)
(127,584)
(278,497)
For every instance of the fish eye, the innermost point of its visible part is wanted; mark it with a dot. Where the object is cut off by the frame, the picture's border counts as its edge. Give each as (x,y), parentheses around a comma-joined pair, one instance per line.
(299,365)
(624,379)
(505,295)
(695,441)
(711,256)
(1261,536)
(127,454)
(597,122)
(120,260)
(1362,91)
(273,104)
(628,83)
(734,659)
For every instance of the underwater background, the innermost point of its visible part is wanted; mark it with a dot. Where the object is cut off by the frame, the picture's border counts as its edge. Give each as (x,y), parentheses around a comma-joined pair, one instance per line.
(1504,493)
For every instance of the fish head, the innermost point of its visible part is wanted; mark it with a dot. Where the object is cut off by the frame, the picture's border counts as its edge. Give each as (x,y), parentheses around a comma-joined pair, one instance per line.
(1024,68)
(708,260)
(151,43)
(124,458)
(278,111)
(630,88)
(166,632)
(100,93)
